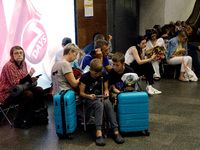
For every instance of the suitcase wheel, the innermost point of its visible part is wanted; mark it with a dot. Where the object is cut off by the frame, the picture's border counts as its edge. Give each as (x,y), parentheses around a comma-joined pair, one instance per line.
(70,136)
(147,133)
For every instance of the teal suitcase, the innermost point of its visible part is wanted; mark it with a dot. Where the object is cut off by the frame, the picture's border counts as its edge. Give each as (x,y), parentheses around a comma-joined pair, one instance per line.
(133,111)
(65,114)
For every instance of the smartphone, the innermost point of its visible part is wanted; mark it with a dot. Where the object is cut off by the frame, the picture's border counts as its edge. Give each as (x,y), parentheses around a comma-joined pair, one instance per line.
(99,96)
(38,75)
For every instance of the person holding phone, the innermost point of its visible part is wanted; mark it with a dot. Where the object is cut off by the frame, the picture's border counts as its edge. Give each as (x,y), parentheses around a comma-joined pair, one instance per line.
(15,72)
(91,87)
(176,50)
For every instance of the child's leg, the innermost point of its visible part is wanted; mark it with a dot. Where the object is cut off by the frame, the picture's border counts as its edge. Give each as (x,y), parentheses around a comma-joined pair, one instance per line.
(97,106)
(112,119)
(111,115)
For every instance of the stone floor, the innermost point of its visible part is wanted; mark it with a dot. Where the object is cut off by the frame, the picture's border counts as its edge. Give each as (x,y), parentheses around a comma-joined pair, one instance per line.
(174,124)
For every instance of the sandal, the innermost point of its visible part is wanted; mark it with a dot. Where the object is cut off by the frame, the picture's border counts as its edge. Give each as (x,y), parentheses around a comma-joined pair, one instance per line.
(144,78)
(118,139)
(183,79)
(100,141)
(156,79)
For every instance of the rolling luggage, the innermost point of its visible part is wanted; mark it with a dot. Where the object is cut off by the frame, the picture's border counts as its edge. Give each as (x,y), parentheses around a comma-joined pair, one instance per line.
(133,112)
(65,114)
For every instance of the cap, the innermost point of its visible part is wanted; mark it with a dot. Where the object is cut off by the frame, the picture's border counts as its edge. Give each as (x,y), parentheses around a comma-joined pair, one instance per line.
(66,40)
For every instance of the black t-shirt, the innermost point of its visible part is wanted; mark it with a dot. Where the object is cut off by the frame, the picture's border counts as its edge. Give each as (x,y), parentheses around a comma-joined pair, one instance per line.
(93,86)
(115,78)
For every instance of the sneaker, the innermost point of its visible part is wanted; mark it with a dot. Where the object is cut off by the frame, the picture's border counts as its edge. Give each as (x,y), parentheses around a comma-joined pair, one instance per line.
(118,139)
(150,90)
(156,91)
(100,141)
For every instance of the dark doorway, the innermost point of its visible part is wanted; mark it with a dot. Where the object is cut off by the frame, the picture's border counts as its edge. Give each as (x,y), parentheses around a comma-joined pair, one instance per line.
(123,23)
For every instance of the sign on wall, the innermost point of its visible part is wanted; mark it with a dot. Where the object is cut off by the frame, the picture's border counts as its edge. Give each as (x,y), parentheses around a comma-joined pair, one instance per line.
(88,8)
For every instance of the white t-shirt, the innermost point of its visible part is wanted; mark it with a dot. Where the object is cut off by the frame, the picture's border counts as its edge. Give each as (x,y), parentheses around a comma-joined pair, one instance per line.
(129,58)
(59,81)
(160,42)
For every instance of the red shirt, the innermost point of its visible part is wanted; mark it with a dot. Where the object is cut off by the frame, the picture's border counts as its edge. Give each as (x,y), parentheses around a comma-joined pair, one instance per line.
(11,75)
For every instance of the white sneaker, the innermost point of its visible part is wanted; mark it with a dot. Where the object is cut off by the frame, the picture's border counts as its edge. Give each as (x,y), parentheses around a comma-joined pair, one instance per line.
(150,90)
(156,91)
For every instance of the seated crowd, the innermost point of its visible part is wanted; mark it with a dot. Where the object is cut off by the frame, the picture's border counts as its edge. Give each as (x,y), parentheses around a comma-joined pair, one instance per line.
(133,61)
(93,63)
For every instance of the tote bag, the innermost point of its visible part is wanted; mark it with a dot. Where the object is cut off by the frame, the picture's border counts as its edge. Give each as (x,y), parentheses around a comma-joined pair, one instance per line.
(189,74)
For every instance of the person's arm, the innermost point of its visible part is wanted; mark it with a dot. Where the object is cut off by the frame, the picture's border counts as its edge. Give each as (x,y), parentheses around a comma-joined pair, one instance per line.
(143,53)
(106,92)
(83,94)
(28,77)
(178,53)
(71,79)
(98,54)
(137,58)
(110,44)
(115,90)
(108,67)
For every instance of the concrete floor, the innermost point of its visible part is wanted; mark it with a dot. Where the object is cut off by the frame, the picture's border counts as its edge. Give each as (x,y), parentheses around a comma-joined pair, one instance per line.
(174,124)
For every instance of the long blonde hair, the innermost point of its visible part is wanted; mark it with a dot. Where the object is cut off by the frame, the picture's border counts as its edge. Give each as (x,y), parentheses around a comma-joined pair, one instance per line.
(183,34)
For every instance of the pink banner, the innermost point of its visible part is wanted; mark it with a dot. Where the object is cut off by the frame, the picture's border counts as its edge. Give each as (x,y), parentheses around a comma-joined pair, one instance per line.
(27,23)
(25,30)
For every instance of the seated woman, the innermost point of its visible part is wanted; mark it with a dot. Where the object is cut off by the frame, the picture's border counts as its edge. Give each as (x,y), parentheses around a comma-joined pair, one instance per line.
(166,33)
(175,49)
(15,72)
(152,42)
(134,58)
(65,79)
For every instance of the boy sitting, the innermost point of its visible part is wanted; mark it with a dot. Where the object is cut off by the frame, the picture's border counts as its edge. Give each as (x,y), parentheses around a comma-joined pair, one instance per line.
(91,89)
(116,73)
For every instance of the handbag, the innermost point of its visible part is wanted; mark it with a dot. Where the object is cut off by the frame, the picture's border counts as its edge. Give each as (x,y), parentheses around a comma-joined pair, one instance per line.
(158,50)
(178,53)
(189,74)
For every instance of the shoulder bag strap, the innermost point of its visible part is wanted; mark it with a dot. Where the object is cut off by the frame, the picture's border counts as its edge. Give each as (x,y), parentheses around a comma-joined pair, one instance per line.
(184,63)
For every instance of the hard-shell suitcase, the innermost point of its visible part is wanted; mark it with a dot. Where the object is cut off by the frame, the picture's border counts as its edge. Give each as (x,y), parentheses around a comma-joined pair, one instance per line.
(65,114)
(133,112)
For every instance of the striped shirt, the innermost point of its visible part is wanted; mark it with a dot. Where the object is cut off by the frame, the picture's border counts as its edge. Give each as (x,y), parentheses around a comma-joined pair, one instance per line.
(11,75)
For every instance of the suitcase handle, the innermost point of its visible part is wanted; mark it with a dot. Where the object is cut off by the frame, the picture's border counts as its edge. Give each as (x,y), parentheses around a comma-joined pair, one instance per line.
(61,92)
(63,111)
